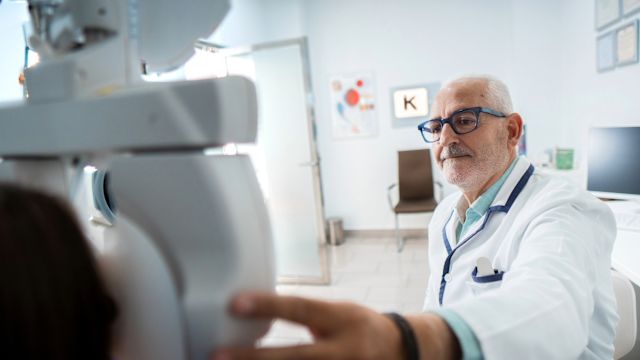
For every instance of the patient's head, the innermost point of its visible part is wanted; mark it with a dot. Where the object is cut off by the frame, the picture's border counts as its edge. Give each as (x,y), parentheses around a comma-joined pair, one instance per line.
(53,304)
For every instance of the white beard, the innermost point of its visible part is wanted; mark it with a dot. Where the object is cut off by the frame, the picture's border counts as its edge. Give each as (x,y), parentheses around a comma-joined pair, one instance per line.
(471,173)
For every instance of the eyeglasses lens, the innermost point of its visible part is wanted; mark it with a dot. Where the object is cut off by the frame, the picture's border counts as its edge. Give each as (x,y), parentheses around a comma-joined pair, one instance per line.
(464,122)
(431,131)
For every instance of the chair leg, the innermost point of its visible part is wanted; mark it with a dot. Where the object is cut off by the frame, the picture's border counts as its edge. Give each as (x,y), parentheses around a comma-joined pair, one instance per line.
(399,240)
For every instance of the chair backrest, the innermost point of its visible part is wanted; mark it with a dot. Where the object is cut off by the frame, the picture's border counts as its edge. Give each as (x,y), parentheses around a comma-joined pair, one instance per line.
(415,180)
(626,304)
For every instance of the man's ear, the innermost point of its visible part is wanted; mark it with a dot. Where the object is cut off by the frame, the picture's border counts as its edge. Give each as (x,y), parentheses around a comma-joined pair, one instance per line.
(514,128)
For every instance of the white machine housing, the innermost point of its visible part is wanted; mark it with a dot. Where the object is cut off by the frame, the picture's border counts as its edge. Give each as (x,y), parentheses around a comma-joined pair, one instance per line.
(190,230)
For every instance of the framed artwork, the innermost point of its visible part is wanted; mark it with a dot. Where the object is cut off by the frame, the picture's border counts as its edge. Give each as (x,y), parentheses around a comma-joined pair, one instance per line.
(630,6)
(605,52)
(627,44)
(607,12)
(353,106)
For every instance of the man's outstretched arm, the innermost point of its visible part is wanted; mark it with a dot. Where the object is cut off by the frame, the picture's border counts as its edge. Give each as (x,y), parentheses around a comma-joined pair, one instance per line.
(340,330)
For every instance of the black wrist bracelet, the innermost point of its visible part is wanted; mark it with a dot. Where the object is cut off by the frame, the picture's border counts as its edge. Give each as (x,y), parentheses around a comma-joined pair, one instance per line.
(409,342)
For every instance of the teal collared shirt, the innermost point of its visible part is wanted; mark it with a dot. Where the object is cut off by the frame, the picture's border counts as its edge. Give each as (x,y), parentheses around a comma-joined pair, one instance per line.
(479,207)
(468,341)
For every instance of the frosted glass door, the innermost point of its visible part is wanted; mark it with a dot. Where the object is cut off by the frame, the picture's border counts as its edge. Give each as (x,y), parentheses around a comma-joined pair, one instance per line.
(285,156)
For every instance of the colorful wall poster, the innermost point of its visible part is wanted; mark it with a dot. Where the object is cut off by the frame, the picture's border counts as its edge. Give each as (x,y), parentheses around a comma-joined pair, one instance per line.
(353,106)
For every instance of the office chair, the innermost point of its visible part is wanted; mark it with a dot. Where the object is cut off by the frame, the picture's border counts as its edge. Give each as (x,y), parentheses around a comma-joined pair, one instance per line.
(626,305)
(415,187)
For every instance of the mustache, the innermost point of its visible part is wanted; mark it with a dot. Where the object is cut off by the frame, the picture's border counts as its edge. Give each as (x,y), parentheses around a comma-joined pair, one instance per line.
(454,150)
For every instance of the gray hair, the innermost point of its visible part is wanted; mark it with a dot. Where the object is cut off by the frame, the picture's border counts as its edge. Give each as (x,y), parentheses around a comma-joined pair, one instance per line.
(497,91)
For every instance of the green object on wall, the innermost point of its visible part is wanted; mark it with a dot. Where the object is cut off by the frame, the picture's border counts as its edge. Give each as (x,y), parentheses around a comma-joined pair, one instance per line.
(564,159)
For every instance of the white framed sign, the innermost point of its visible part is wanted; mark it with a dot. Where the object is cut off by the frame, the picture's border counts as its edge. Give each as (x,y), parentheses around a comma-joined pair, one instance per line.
(630,6)
(627,44)
(607,12)
(410,103)
(606,52)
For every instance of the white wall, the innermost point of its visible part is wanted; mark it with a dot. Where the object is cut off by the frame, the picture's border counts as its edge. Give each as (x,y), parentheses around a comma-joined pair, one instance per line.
(544,49)
(12,15)
(257,21)
(590,98)
(403,42)
(537,63)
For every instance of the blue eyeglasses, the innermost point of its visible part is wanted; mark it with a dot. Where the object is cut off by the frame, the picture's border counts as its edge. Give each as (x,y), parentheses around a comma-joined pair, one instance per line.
(462,121)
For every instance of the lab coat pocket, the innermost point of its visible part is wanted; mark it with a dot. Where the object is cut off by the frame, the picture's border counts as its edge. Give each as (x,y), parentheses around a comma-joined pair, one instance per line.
(485,283)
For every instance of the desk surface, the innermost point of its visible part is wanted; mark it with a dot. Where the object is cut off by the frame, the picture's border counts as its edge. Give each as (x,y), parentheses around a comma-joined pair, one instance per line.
(626,255)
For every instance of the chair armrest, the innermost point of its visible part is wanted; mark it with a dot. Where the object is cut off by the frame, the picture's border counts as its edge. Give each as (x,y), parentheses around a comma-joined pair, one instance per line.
(389,189)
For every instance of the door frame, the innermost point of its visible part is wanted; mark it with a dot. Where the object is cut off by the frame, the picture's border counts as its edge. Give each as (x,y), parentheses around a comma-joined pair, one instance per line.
(314,163)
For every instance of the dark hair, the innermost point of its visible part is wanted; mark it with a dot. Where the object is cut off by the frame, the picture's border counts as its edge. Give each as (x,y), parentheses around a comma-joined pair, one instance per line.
(53,304)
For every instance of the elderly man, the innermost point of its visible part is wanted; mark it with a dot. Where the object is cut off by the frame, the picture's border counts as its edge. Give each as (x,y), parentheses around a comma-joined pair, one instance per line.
(520,262)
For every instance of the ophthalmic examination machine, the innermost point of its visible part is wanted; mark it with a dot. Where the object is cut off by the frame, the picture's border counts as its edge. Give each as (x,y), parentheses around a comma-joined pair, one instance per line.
(190,230)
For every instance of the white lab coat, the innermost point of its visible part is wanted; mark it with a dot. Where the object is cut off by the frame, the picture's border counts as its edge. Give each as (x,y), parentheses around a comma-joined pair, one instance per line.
(550,245)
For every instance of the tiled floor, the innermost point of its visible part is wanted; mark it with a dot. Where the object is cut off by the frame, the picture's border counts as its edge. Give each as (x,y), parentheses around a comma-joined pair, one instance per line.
(369,272)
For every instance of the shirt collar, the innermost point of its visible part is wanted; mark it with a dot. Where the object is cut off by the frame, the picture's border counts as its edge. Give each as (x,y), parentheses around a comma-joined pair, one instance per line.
(483,202)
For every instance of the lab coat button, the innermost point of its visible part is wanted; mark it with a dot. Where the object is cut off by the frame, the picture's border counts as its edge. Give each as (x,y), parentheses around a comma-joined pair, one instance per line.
(447,277)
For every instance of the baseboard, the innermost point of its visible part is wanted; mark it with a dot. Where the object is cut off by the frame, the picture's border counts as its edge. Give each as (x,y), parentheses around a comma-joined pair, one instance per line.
(386,233)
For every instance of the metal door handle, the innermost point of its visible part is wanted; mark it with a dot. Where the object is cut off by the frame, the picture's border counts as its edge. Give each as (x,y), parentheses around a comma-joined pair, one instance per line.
(309,163)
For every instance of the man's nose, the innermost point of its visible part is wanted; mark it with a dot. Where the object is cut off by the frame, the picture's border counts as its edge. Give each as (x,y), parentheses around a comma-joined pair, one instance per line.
(447,136)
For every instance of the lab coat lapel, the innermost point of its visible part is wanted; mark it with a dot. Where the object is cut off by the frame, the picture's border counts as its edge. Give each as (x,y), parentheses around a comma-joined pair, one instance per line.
(449,232)
(509,190)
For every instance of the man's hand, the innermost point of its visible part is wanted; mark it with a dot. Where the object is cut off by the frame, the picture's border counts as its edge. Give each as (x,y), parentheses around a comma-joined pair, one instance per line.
(340,330)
